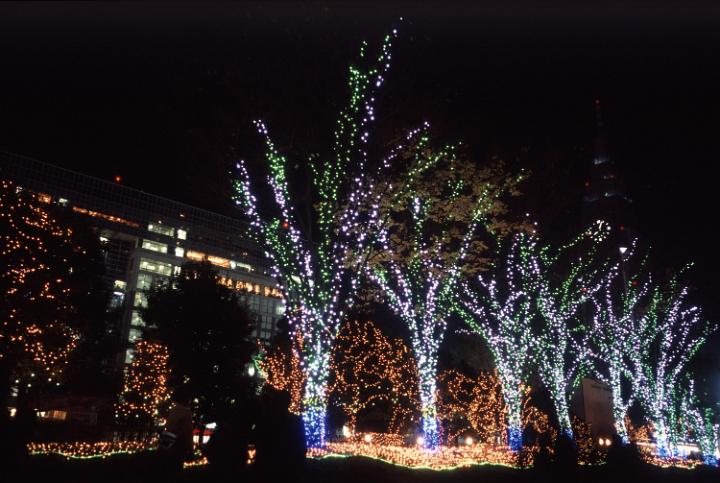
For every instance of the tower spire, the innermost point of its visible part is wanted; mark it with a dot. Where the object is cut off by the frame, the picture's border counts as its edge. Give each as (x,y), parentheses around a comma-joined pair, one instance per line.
(605,197)
(600,155)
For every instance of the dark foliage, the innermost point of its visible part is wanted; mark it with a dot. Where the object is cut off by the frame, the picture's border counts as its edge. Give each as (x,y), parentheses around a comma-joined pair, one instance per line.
(206,328)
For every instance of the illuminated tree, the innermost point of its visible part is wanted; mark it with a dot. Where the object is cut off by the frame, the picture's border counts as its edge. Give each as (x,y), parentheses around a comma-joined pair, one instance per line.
(662,341)
(616,304)
(559,282)
(431,240)
(313,263)
(145,384)
(528,313)
(701,423)
(370,369)
(500,310)
(38,310)
(282,371)
(477,402)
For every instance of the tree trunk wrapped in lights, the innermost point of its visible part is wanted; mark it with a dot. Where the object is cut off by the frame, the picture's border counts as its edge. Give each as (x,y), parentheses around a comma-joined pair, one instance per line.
(662,341)
(431,240)
(317,263)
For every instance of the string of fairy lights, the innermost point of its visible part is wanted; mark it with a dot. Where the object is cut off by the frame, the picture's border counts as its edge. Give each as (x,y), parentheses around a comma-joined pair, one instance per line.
(611,330)
(499,310)
(560,282)
(370,369)
(35,332)
(477,402)
(663,340)
(527,307)
(145,384)
(318,278)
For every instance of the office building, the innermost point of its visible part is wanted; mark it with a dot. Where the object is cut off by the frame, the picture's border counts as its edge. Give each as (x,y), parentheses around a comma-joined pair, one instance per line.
(147,238)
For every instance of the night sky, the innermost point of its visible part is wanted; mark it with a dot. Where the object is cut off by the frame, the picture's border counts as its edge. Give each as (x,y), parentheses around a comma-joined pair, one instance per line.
(163,95)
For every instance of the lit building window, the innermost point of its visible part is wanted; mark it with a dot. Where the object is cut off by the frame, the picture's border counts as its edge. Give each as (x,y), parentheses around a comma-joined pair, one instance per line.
(104,216)
(154,246)
(182,234)
(161,229)
(146,280)
(134,335)
(243,266)
(129,356)
(54,414)
(195,256)
(219,261)
(250,287)
(156,267)
(140,300)
(136,320)
(176,270)
(62,202)
(179,252)
(119,284)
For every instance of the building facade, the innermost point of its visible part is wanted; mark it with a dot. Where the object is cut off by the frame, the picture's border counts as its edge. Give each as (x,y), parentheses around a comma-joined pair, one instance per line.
(147,238)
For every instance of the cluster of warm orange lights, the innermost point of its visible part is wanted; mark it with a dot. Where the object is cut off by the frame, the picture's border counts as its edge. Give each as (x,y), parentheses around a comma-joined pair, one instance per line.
(105,216)
(27,256)
(445,457)
(283,372)
(369,368)
(250,287)
(145,386)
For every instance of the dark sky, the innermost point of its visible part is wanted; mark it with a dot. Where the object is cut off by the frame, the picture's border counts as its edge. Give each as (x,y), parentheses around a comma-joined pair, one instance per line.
(163,94)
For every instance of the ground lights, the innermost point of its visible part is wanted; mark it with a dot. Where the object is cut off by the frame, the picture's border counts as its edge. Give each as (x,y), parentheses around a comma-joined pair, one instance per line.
(441,458)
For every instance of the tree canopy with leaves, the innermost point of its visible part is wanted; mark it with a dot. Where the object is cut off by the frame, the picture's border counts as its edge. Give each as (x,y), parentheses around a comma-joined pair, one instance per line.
(48,282)
(206,329)
(434,235)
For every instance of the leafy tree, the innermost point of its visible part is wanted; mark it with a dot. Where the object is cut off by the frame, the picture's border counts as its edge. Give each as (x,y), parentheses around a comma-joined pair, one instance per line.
(281,366)
(145,387)
(93,369)
(433,236)
(314,263)
(206,328)
(49,288)
(369,369)
(663,340)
